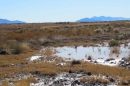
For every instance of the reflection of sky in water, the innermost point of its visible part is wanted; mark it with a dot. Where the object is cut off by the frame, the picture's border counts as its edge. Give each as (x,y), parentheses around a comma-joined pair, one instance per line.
(95,52)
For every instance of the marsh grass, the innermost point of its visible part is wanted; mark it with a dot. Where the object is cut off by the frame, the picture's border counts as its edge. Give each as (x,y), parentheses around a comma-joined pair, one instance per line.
(25,82)
(19,37)
(52,69)
(94,79)
(5,83)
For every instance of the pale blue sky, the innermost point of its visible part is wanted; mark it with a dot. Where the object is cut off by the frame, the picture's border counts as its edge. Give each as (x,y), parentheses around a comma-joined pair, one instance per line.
(62,10)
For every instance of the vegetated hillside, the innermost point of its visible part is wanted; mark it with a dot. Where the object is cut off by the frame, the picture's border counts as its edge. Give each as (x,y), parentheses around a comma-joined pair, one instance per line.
(5,21)
(28,36)
(102,18)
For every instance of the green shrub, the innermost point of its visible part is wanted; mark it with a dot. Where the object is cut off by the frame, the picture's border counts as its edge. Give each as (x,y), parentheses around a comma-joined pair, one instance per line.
(113,42)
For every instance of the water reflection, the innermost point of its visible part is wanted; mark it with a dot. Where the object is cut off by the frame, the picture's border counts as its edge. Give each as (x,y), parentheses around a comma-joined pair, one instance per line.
(96,52)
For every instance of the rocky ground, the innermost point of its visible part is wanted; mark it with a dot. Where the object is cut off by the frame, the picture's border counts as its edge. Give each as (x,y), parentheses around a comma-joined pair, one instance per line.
(124,62)
(75,79)
(68,79)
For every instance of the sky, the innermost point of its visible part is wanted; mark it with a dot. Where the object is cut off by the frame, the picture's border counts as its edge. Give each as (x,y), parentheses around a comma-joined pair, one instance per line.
(61,10)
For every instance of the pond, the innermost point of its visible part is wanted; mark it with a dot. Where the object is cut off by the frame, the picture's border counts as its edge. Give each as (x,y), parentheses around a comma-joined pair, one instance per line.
(104,52)
(99,53)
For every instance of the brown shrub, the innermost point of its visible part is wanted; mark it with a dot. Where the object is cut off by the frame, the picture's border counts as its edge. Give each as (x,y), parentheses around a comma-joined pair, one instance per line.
(74,62)
(5,83)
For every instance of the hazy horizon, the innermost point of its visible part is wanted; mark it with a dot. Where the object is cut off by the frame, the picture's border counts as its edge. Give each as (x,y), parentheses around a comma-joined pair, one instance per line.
(61,10)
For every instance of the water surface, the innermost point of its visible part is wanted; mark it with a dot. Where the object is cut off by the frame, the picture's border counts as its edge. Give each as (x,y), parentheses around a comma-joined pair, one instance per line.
(95,52)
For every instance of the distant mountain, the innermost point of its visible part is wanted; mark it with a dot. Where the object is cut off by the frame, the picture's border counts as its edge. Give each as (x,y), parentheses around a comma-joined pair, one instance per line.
(102,18)
(5,21)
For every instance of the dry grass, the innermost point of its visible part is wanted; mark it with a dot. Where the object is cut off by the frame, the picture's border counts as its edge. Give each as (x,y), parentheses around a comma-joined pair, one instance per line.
(5,83)
(100,69)
(93,68)
(94,79)
(22,83)
(106,70)
(14,59)
(52,69)
(43,68)
(11,64)
(7,70)
(25,82)
(86,31)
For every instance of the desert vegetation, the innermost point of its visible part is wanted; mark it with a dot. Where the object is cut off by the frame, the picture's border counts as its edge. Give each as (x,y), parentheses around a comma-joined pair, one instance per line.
(62,33)
(113,43)
(18,42)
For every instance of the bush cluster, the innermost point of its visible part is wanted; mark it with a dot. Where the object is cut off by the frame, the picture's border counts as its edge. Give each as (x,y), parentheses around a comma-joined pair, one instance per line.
(113,42)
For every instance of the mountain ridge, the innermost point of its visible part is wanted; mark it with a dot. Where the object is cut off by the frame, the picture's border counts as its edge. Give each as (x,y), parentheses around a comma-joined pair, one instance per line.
(102,18)
(6,21)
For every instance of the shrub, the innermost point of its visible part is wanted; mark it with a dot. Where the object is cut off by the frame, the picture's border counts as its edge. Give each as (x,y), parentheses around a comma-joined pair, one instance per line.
(13,47)
(116,31)
(5,83)
(89,58)
(3,52)
(98,31)
(113,43)
(108,29)
(74,62)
